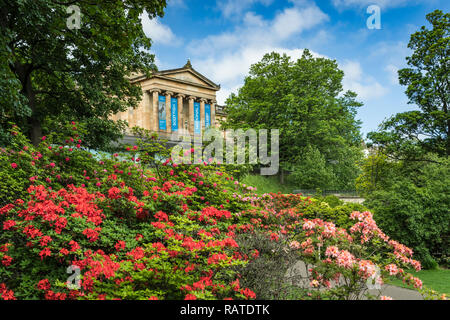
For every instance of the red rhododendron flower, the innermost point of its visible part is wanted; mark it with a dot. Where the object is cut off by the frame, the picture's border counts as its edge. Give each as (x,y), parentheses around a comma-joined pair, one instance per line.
(248,293)
(44,284)
(120,245)
(45,253)
(6,294)
(74,246)
(8,224)
(161,216)
(7,260)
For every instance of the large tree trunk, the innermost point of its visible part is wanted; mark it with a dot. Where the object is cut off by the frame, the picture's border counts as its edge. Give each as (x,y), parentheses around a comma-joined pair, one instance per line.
(35,127)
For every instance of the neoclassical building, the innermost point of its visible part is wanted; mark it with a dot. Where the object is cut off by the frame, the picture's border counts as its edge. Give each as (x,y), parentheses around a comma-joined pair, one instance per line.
(175,99)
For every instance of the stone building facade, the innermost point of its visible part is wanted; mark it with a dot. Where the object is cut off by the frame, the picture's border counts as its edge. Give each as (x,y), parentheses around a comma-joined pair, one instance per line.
(175,99)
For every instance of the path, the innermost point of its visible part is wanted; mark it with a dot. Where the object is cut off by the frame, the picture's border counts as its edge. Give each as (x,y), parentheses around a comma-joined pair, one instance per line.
(396,293)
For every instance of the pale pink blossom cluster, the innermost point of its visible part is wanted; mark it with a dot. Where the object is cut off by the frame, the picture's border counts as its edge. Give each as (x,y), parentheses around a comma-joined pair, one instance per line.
(366,226)
(332,251)
(294,245)
(309,225)
(392,268)
(345,259)
(367,268)
(404,254)
(307,246)
(314,283)
(329,230)
(417,283)
(329,236)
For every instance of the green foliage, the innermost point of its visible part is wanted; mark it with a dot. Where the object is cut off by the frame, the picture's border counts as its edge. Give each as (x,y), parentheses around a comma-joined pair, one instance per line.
(406,181)
(147,228)
(267,184)
(414,206)
(376,172)
(338,214)
(51,73)
(304,99)
(410,135)
(333,201)
(312,171)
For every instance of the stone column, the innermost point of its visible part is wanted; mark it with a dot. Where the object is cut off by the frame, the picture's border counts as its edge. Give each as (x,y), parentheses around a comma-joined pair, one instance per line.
(147,101)
(213,113)
(154,113)
(169,111)
(202,114)
(180,111)
(191,115)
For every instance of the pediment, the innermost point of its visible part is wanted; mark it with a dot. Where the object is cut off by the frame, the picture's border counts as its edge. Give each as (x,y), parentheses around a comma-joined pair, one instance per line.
(187,76)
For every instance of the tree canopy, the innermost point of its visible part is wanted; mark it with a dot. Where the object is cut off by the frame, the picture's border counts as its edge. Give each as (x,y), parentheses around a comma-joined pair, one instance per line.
(410,135)
(52,73)
(304,99)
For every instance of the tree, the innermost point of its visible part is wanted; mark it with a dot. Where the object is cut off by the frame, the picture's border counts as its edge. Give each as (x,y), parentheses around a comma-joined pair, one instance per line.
(413,206)
(409,135)
(409,189)
(53,73)
(377,172)
(305,100)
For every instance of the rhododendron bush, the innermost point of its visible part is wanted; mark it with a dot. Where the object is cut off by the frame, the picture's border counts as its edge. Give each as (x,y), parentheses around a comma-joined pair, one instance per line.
(136,228)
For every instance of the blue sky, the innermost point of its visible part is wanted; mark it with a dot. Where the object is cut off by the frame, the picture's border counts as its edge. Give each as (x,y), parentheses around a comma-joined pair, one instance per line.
(222,38)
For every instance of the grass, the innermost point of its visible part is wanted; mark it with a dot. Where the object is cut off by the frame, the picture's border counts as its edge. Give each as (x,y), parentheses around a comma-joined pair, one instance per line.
(267,184)
(438,280)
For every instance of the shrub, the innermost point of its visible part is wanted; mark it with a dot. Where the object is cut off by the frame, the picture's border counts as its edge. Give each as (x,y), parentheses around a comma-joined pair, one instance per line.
(340,215)
(418,215)
(266,275)
(136,231)
(345,261)
(333,201)
(410,201)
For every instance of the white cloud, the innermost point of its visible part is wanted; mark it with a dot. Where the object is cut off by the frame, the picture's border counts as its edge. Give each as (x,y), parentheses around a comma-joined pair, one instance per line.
(227,57)
(365,86)
(294,20)
(344,4)
(158,32)
(392,72)
(236,7)
(176,3)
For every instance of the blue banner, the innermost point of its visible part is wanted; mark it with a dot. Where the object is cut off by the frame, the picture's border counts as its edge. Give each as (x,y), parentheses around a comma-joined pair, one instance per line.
(197,121)
(162,113)
(174,112)
(207,116)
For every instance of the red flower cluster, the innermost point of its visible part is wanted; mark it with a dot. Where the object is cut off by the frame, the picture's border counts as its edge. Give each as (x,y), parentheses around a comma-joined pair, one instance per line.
(6,294)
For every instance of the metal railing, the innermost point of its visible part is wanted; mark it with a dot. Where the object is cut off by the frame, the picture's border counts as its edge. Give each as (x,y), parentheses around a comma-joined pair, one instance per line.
(338,193)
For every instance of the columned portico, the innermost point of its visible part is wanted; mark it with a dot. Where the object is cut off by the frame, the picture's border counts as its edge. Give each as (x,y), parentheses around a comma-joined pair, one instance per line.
(173,100)
(168,95)
(191,114)
(213,113)
(203,115)
(180,97)
(154,115)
